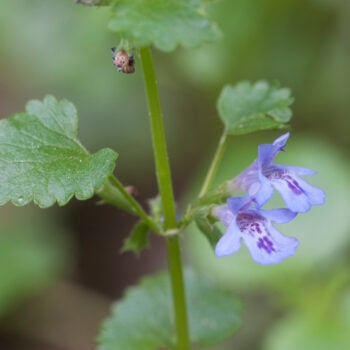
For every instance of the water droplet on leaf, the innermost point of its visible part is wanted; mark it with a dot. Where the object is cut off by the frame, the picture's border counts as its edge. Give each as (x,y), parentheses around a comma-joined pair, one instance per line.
(20,201)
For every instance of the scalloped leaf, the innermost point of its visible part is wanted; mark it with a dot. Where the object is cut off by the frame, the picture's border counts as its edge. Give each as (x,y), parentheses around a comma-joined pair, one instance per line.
(143,320)
(246,107)
(163,23)
(41,159)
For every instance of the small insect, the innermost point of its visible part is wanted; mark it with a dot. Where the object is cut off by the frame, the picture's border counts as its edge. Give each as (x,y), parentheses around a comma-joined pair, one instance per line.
(125,63)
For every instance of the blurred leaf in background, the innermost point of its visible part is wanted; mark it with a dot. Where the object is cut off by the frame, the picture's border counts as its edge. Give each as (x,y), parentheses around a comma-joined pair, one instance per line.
(213,314)
(164,24)
(303,44)
(32,256)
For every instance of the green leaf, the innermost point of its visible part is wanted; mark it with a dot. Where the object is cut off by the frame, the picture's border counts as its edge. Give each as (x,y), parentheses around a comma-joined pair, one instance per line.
(214,314)
(246,107)
(41,159)
(163,23)
(156,210)
(207,226)
(143,320)
(138,239)
(110,194)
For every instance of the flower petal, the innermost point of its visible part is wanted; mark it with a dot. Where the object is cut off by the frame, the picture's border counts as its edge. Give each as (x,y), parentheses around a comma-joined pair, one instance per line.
(315,194)
(264,191)
(269,246)
(224,214)
(298,170)
(235,204)
(230,242)
(281,141)
(298,195)
(245,178)
(267,152)
(280,216)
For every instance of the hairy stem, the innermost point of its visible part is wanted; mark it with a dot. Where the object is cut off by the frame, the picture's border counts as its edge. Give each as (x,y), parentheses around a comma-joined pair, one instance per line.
(167,197)
(159,141)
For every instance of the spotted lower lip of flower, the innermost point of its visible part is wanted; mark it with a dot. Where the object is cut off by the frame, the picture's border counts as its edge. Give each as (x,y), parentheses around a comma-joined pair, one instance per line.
(261,178)
(254,226)
(298,194)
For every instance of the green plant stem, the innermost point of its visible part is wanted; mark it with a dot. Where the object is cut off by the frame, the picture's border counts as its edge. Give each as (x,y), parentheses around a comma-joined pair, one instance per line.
(214,165)
(138,210)
(167,197)
(178,292)
(158,139)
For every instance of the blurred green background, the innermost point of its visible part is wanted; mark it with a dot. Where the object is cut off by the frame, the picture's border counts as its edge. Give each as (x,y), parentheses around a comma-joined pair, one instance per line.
(60,268)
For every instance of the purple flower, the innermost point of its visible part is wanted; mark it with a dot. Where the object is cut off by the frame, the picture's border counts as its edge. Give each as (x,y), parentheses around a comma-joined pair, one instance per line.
(254,227)
(263,176)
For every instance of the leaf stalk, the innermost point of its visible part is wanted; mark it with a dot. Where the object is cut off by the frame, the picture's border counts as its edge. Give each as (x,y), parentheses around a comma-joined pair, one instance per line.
(213,168)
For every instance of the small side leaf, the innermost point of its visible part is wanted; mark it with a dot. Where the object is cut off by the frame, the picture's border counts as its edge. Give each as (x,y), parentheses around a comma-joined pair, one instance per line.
(41,159)
(207,227)
(163,23)
(247,107)
(143,320)
(156,210)
(138,239)
(112,195)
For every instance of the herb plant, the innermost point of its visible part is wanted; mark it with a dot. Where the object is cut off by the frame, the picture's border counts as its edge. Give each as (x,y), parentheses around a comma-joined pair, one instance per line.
(43,161)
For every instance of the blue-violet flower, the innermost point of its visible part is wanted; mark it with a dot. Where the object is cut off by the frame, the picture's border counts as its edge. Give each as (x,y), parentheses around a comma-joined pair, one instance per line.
(254,227)
(261,177)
